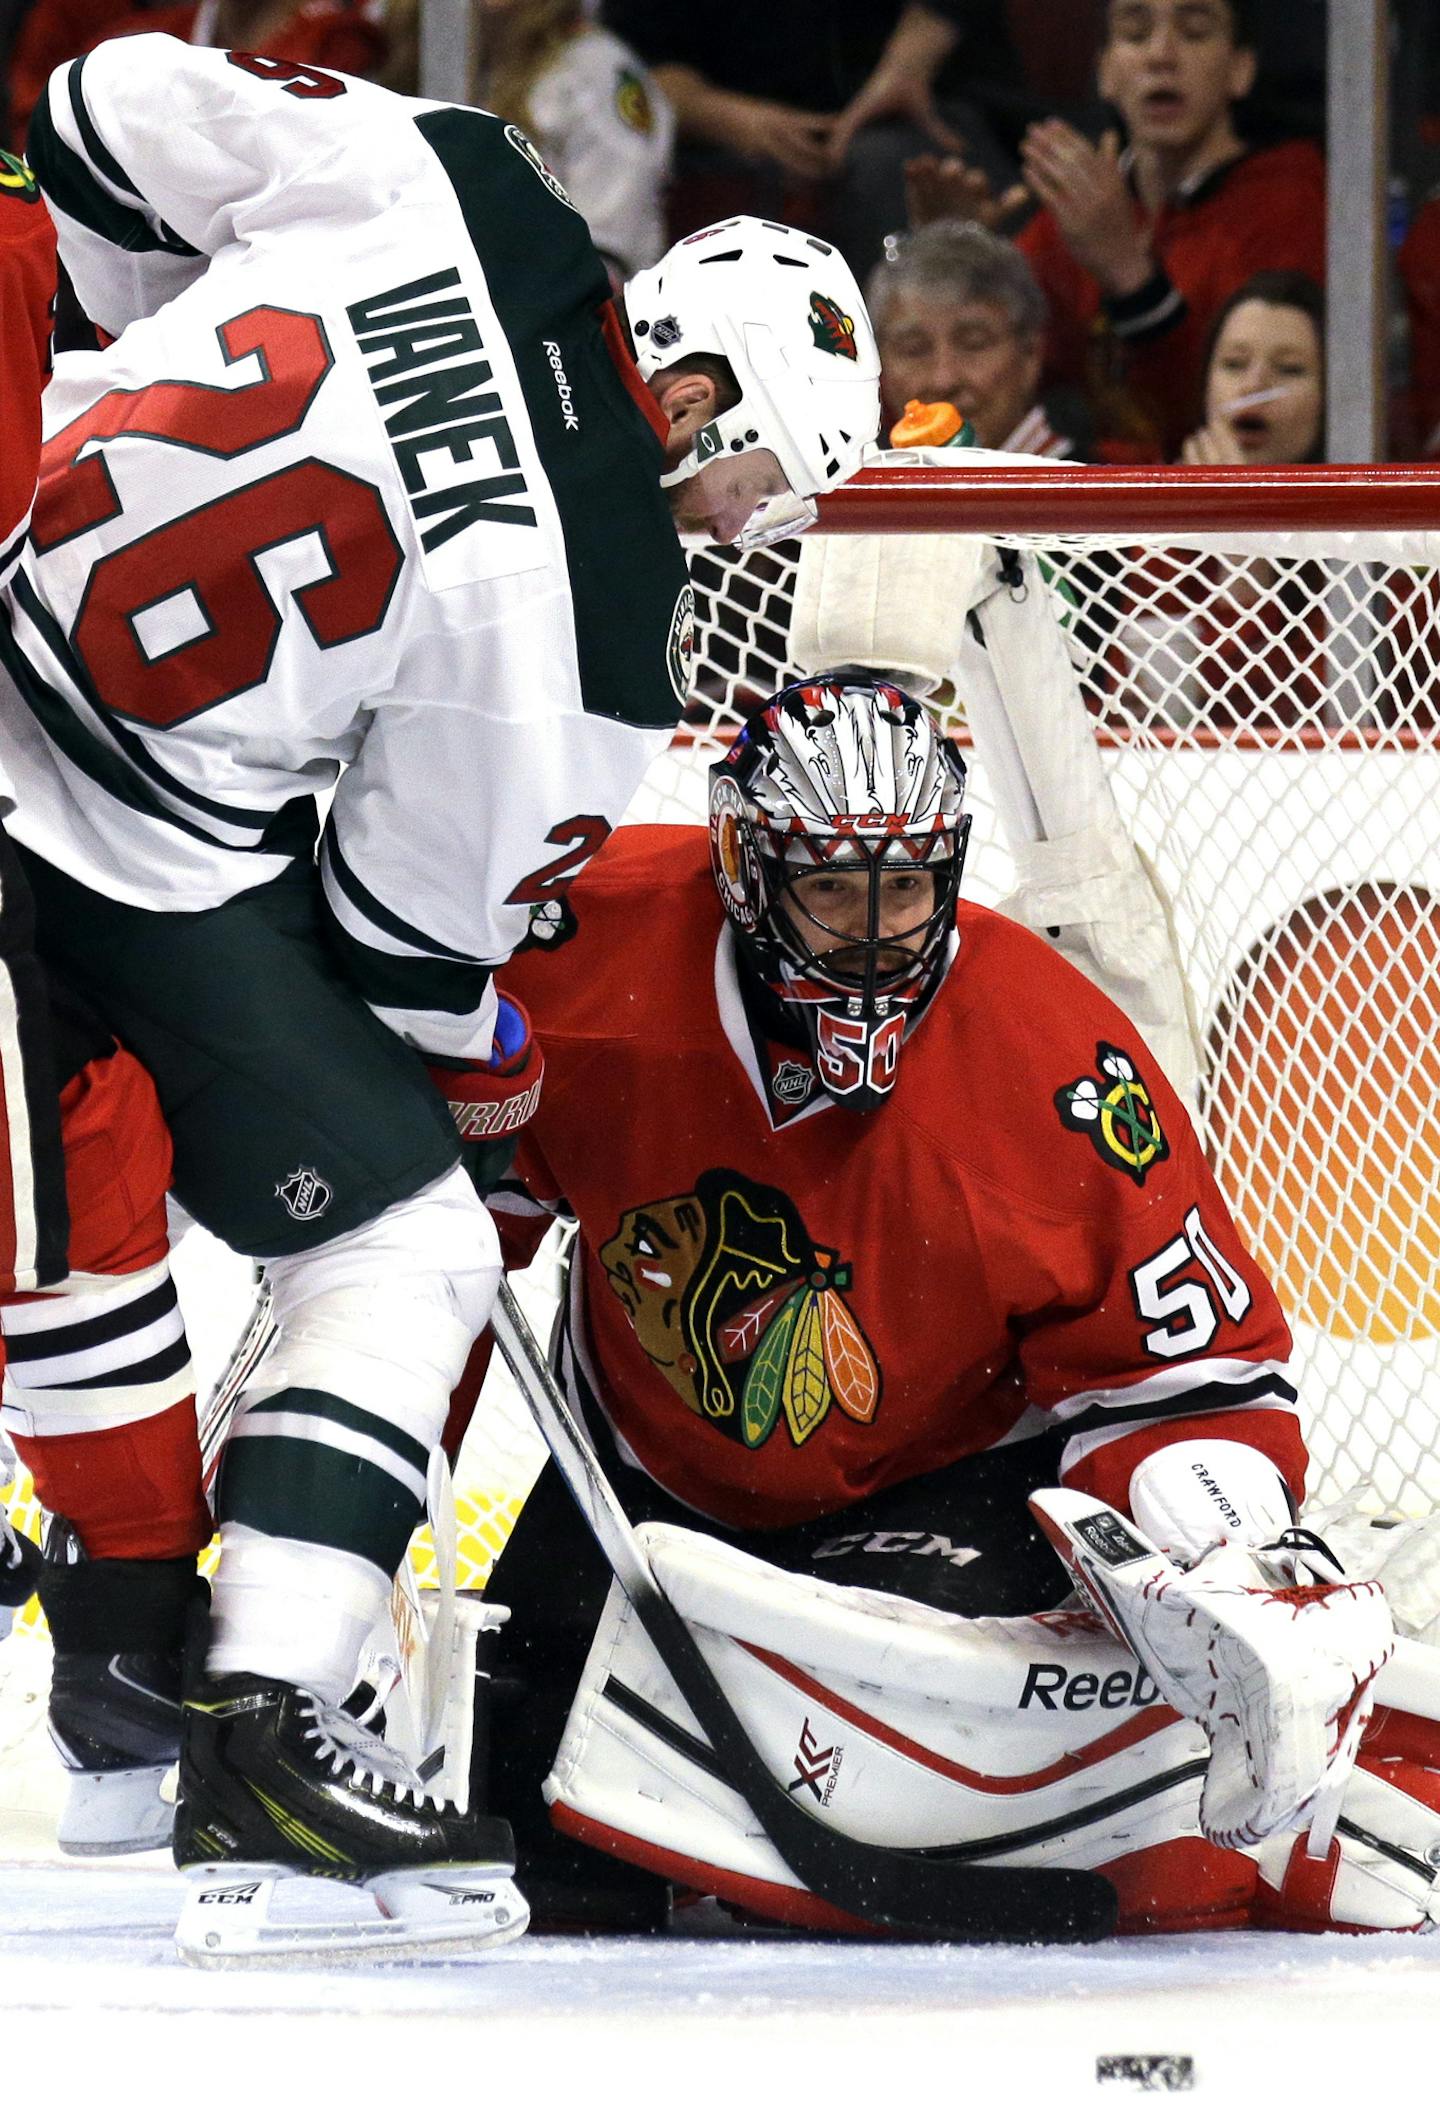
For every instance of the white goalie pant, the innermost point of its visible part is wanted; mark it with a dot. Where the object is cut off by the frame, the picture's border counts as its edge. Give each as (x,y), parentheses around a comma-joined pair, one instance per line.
(1034,1741)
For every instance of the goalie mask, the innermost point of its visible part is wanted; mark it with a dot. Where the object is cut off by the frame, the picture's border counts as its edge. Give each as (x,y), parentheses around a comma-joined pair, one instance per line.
(837,838)
(784,309)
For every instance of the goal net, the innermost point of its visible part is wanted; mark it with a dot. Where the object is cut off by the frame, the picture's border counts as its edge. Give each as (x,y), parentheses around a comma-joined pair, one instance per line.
(1259,659)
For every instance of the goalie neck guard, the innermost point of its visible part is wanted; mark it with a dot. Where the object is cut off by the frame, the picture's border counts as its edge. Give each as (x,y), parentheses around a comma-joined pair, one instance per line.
(784,309)
(837,839)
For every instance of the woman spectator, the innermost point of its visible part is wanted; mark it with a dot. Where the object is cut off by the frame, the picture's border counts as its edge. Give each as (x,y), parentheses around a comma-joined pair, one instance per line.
(1265,376)
(593,111)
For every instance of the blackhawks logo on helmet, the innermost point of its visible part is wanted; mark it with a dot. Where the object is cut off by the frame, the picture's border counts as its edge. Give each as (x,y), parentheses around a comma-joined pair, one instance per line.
(832,330)
(1116,1113)
(746,1317)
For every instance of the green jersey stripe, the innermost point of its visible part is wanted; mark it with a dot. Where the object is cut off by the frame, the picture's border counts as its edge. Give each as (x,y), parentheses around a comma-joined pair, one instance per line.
(378,914)
(408,983)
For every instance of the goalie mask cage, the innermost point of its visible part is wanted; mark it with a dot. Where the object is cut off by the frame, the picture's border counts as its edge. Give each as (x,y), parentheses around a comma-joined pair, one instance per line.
(1259,653)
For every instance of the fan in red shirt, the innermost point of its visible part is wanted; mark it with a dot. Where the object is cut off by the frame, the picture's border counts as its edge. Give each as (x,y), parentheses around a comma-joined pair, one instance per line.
(1136,252)
(886,1219)
(98,1396)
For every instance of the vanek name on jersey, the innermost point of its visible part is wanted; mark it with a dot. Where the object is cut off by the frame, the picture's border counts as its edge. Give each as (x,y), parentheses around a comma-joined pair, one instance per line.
(426,389)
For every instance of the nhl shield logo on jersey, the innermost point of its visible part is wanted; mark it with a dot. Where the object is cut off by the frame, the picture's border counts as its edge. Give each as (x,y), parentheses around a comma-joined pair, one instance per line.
(1115,1112)
(792,1082)
(830,327)
(745,1316)
(304,1194)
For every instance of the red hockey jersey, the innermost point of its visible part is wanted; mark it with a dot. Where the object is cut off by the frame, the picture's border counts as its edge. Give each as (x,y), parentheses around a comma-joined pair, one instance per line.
(782,1313)
(27,294)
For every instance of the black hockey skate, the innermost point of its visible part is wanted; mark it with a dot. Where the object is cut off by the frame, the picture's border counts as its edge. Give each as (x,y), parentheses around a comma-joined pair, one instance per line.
(115,1690)
(275,1786)
(19,1569)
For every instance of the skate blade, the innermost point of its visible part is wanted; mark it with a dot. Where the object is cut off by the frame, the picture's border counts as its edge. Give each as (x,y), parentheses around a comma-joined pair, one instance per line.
(231,1918)
(108,1812)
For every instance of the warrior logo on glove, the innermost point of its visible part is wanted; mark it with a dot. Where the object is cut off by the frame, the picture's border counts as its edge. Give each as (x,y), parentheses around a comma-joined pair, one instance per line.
(1116,1113)
(741,1311)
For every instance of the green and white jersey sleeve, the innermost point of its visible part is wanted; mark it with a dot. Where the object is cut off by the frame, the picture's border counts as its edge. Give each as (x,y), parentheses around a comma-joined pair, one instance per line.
(362,504)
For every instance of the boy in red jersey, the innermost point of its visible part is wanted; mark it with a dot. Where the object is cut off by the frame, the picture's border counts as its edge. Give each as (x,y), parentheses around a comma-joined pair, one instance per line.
(887,1219)
(1135,252)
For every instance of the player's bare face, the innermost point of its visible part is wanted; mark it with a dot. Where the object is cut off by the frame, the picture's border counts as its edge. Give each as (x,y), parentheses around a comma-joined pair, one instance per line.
(1266,382)
(720,498)
(831,908)
(1172,68)
(966,353)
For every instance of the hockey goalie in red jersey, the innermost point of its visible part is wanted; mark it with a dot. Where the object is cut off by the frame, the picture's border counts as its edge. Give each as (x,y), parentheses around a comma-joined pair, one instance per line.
(98,1396)
(887,1222)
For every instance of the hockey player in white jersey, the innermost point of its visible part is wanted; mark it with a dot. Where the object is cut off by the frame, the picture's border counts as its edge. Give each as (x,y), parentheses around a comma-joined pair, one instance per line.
(363,501)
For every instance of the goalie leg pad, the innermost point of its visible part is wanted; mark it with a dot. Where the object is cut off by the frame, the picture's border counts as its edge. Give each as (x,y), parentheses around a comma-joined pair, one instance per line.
(1034,1740)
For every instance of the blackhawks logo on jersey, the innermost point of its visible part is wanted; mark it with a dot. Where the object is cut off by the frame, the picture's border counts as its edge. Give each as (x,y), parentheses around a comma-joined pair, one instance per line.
(744,1314)
(17,177)
(832,330)
(1116,1113)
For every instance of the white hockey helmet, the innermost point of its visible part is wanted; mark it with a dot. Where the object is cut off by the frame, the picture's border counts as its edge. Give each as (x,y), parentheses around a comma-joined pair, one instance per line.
(785,310)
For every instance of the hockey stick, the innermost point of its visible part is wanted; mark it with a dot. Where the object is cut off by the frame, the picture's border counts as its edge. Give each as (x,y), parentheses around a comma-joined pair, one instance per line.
(931,1895)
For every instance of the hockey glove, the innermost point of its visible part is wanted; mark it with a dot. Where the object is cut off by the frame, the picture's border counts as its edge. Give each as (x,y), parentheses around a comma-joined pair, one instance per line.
(491,1102)
(1279,1675)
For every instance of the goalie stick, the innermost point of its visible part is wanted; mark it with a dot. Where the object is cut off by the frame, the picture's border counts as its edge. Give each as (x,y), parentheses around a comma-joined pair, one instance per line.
(931,1894)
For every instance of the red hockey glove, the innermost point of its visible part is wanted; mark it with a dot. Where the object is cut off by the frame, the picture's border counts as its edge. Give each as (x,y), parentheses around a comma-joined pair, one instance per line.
(491,1102)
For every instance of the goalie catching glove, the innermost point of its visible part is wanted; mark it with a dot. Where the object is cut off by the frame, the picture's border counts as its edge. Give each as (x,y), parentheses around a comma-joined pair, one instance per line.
(1279,1674)
(491,1102)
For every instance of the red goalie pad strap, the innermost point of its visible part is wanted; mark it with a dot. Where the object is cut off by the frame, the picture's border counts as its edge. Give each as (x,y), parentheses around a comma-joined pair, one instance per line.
(494,1099)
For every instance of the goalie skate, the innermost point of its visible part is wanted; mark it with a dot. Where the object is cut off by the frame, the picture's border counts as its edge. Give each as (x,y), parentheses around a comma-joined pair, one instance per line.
(304,1835)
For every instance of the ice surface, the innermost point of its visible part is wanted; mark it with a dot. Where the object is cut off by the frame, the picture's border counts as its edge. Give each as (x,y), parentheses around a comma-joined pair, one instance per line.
(707,2019)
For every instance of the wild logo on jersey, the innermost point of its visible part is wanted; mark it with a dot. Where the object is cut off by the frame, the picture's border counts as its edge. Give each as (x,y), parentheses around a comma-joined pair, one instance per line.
(743,1313)
(1116,1113)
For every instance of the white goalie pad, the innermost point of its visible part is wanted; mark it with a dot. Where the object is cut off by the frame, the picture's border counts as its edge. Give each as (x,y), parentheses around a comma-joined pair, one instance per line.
(1039,1737)
(1033,1740)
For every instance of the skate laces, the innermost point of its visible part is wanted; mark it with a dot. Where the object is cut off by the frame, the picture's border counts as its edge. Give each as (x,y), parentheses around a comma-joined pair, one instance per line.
(352,1750)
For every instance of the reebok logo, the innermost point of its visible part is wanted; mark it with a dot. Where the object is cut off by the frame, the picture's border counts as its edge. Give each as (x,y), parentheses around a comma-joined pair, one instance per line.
(567,404)
(1055,1688)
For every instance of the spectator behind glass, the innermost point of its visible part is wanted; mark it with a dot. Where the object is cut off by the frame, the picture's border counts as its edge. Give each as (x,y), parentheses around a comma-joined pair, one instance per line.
(347,35)
(1137,252)
(1265,376)
(809,105)
(592,110)
(960,320)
